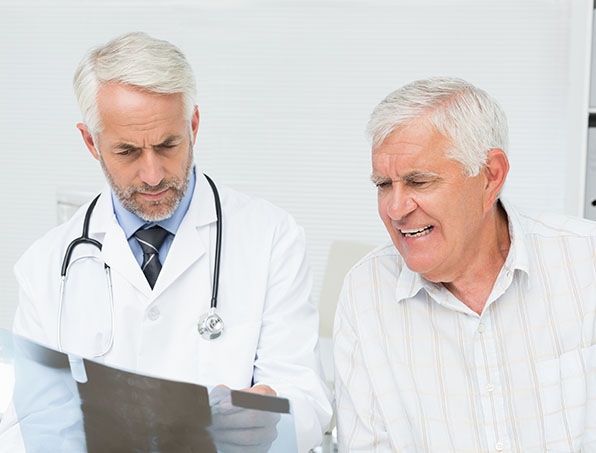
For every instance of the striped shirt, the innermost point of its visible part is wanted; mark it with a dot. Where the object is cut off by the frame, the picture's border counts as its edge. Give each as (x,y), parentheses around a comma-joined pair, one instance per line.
(418,371)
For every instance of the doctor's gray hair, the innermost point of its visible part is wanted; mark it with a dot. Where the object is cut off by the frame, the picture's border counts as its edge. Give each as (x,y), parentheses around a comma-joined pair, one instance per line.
(134,59)
(473,121)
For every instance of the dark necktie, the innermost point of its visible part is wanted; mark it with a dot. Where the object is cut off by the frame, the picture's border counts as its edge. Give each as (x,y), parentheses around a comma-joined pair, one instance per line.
(150,241)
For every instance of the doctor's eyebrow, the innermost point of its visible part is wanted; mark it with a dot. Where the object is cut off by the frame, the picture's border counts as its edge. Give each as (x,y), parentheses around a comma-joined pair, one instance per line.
(172,140)
(125,147)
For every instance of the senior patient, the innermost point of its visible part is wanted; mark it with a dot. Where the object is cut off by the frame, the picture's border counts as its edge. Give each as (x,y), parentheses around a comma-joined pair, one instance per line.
(474,330)
(159,223)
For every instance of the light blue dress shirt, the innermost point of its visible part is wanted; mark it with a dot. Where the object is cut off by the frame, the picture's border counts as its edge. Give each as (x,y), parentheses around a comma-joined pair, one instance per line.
(131,222)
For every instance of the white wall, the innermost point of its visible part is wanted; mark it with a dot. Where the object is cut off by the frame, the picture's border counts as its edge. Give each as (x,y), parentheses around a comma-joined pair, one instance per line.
(285,89)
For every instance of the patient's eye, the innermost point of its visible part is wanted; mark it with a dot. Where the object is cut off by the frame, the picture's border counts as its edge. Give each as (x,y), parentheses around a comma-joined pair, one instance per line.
(420,180)
(419,183)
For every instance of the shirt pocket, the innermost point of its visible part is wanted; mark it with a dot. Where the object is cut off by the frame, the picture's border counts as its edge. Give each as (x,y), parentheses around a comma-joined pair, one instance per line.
(563,386)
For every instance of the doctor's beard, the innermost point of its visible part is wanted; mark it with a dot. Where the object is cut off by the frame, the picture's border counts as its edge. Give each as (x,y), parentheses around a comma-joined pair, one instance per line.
(156,211)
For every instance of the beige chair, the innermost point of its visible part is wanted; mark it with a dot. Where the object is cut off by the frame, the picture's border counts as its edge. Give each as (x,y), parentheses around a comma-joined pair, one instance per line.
(342,256)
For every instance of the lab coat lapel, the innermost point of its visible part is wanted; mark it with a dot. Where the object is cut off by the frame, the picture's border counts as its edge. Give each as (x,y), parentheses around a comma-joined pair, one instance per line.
(186,249)
(115,250)
(119,257)
(192,239)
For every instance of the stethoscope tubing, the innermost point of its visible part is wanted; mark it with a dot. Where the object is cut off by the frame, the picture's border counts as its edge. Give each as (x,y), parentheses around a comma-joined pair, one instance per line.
(218,236)
(85,239)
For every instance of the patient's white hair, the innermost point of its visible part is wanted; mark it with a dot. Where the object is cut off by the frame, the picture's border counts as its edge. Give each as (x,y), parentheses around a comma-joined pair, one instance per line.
(473,121)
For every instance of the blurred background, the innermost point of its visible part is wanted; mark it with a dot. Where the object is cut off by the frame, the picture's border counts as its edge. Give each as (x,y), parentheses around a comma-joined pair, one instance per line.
(285,89)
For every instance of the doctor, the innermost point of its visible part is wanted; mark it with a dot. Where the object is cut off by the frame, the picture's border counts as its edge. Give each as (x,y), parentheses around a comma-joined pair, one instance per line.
(140,121)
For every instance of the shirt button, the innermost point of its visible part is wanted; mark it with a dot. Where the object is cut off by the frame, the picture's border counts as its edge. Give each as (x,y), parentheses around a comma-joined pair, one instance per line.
(480,328)
(499,446)
(490,388)
(153,313)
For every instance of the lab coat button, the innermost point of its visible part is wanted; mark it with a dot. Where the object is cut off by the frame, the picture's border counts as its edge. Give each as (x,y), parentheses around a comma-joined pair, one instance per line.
(153,313)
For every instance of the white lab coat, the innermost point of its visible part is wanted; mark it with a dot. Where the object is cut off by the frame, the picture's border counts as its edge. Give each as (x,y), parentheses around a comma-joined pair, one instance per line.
(271,324)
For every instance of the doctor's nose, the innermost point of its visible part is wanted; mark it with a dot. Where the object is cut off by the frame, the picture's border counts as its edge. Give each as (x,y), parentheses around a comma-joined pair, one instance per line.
(151,170)
(400,202)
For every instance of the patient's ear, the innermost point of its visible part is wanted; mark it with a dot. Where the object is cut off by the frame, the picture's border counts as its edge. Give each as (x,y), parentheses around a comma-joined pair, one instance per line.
(88,139)
(495,171)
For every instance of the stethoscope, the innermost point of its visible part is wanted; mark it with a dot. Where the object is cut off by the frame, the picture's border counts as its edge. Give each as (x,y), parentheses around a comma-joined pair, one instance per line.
(210,325)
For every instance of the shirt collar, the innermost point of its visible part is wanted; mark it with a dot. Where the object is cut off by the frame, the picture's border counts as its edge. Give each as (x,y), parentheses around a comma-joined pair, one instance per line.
(130,222)
(409,283)
(518,257)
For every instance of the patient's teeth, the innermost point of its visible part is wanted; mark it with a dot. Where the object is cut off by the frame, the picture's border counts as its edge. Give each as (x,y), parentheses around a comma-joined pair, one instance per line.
(418,232)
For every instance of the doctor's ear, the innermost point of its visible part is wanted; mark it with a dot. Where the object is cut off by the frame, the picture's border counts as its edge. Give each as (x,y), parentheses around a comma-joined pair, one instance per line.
(194,124)
(88,139)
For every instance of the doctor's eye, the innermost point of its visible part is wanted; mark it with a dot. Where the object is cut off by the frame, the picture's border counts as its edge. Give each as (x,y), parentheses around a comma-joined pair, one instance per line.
(167,148)
(126,152)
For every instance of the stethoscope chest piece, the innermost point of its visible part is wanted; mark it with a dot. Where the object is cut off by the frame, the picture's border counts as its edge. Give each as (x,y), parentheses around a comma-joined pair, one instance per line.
(210,325)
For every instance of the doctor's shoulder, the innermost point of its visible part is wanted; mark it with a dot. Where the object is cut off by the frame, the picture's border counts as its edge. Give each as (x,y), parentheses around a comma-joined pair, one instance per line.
(253,213)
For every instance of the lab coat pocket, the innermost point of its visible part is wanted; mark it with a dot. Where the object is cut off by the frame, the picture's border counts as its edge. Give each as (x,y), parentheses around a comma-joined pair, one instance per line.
(563,386)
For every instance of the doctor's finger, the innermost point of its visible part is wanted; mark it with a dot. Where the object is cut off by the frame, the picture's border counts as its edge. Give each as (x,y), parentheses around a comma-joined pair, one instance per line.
(245,419)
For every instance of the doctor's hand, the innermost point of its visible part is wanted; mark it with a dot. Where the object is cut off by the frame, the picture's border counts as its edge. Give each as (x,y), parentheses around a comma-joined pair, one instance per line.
(262,389)
(236,429)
